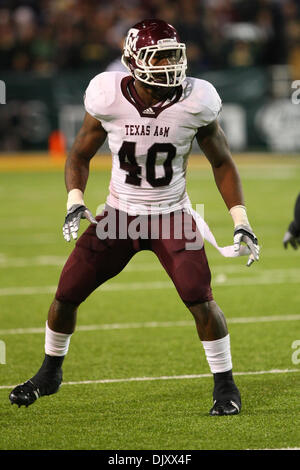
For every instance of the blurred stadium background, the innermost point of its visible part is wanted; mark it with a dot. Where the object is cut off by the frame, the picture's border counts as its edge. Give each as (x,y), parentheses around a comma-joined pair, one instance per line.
(50,49)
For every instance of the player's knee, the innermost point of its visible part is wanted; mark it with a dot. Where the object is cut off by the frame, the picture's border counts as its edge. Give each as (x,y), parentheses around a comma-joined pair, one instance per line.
(194,294)
(192,279)
(70,291)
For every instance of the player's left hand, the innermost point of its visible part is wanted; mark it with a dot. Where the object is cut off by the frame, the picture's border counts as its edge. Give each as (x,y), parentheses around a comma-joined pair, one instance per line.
(72,220)
(244,233)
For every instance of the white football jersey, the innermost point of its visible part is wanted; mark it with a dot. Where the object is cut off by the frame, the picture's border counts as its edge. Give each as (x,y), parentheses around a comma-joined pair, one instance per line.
(150,147)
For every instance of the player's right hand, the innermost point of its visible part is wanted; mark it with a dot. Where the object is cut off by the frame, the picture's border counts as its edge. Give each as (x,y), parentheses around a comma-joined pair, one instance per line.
(72,220)
(290,239)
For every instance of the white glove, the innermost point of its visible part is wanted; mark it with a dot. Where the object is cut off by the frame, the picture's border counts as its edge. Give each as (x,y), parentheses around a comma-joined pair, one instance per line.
(244,233)
(72,220)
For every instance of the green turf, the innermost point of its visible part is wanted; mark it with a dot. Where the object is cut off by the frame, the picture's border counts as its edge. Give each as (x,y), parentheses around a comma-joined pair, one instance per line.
(158,414)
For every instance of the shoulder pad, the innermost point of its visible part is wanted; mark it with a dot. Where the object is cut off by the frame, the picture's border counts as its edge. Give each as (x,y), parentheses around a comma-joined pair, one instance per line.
(202,99)
(102,93)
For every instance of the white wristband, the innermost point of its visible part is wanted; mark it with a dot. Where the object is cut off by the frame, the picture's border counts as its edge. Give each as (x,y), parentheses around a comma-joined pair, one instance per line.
(75,196)
(239,215)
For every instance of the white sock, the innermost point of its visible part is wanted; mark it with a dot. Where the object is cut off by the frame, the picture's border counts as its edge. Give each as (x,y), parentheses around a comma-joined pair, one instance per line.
(56,344)
(218,354)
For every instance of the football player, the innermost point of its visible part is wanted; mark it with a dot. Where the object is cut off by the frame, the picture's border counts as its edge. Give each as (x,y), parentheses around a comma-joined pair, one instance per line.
(150,118)
(292,235)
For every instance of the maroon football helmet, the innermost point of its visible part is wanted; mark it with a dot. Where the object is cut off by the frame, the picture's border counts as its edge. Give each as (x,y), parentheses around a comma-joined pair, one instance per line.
(145,44)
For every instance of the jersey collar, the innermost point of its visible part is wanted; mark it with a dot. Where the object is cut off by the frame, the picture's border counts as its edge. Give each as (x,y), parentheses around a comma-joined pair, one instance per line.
(129,92)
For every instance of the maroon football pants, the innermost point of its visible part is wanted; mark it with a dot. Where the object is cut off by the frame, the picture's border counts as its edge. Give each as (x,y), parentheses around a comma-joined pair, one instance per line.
(104,250)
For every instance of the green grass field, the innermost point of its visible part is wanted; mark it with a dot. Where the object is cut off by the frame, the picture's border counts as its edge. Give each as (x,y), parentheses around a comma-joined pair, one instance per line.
(139,328)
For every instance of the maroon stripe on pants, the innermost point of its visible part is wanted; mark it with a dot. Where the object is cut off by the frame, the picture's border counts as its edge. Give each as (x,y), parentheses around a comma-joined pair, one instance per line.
(188,268)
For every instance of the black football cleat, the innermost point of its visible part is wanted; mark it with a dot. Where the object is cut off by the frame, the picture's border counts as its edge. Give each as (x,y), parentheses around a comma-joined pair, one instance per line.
(28,392)
(226,396)
(24,394)
(225,408)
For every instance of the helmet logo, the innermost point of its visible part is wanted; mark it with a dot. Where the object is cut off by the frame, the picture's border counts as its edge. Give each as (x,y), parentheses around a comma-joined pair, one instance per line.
(132,39)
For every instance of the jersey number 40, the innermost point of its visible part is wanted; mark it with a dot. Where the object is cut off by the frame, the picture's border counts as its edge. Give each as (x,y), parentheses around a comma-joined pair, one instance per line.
(129,164)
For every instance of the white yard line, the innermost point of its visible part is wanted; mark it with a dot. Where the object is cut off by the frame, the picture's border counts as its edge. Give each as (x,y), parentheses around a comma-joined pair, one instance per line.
(7,262)
(7,291)
(267,277)
(59,261)
(280,448)
(10,239)
(165,324)
(167,377)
